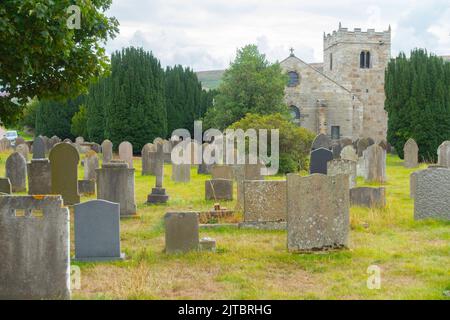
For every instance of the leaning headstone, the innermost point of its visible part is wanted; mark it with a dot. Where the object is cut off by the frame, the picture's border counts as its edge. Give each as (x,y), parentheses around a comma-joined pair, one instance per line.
(115,183)
(321,141)
(219,189)
(319,160)
(64,160)
(107,151)
(432,196)
(158,194)
(346,167)
(182,232)
(349,153)
(411,152)
(24,150)
(265,201)
(39,177)
(362,145)
(39,147)
(181,172)
(145,156)
(90,165)
(34,248)
(375,164)
(444,154)
(317,212)
(126,153)
(368,197)
(16,171)
(5,186)
(97,231)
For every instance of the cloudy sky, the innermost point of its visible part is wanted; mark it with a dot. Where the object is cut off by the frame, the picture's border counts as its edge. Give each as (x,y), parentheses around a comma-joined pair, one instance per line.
(204,34)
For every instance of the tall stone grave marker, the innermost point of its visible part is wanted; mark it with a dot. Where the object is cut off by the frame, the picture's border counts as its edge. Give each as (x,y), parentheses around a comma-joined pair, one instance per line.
(145,156)
(107,151)
(444,154)
(39,177)
(24,150)
(411,151)
(90,165)
(158,194)
(319,160)
(16,171)
(317,212)
(126,153)
(64,160)
(39,148)
(181,172)
(375,164)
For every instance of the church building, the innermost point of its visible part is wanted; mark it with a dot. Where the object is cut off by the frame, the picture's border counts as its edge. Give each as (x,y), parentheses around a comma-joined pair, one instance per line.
(343,97)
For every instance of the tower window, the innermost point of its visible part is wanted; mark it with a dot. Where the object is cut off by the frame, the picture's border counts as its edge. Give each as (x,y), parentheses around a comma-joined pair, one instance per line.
(364,60)
(335,132)
(331,61)
(293,79)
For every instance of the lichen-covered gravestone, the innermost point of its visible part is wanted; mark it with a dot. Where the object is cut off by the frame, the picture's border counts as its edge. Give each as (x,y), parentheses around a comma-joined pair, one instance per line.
(319,160)
(107,151)
(16,171)
(39,177)
(64,160)
(368,197)
(90,165)
(145,156)
(349,153)
(375,164)
(222,172)
(219,189)
(411,152)
(265,201)
(97,231)
(346,167)
(126,153)
(318,212)
(182,232)
(39,147)
(115,183)
(34,248)
(432,196)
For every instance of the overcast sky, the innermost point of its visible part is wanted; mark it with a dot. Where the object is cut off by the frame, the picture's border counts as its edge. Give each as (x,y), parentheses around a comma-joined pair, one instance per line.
(204,34)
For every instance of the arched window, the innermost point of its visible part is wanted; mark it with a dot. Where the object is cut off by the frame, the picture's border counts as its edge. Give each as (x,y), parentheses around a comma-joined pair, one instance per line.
(364,60)
(293,79)
(295,114)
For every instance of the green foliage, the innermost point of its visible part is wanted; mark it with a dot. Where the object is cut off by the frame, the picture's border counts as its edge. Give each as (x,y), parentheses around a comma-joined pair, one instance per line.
(29,115)
(96,101)
(185,99)
(79,121)
(135,110)
(418,102)
(40,56)
(295,142)
(251,85)
(55,117)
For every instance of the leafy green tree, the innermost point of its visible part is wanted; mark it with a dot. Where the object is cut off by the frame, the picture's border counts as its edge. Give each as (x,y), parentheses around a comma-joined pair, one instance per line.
(41,56)
(295,142)
(251,85)
(79,120)
(55,117)
(136,109)
(418,102)
(98,98)
(28,118)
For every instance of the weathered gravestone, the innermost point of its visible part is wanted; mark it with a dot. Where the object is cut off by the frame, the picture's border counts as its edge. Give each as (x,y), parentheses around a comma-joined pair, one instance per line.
(86,187)
(96,147)
(317,212)
(5,186)
(219,189)
(24,150)
(444,154)
(90,165)
(368,197)
(375,164)
(411,152)
(182,232)
(126,153)
(107,151)
(361,146)
(146,161)
(79,140)
(349,153)
(97,231)
(16,171)
(115,183)
(19,141)
(336,148)
(222,172)
(181,172)
(39,148)
(346,167)
(158,194)
(265,201)
(203,167)
(321,141)
(64,160)
(4,144)
(319,160)
(245,172)
(432,196)
(39,177)
(34,248)
(52,142)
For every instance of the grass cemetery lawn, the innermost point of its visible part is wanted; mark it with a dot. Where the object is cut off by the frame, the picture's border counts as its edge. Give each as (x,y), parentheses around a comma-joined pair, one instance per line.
(253,264)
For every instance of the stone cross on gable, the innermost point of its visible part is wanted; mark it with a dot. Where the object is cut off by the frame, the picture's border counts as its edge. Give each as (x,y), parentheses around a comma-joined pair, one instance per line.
(159,170)
(292,51)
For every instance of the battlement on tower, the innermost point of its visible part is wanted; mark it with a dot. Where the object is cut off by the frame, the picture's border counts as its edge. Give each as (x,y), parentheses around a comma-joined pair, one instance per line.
(343,35)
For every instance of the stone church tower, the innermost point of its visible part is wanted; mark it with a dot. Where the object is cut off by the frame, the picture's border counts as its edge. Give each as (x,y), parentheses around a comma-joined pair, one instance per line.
(357,60)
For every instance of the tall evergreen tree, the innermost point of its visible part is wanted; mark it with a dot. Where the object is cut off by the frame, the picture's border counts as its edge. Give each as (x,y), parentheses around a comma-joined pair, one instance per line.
(95,108)
(418,102)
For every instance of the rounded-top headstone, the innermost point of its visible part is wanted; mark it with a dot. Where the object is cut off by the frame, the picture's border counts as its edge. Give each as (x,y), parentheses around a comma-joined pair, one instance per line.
(24,150)
(321,141)
(16,171)
(126,153)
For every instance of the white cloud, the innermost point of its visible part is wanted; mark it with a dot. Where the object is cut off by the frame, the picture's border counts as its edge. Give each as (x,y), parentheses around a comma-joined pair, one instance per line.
(205,34)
